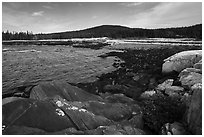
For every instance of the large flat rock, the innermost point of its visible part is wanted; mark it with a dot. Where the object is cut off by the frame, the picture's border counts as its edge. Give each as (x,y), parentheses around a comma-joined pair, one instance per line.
(181,60)
(61,88)
(35,114)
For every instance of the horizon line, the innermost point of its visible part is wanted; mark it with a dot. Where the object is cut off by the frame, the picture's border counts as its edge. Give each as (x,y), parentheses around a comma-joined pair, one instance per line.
(104,25)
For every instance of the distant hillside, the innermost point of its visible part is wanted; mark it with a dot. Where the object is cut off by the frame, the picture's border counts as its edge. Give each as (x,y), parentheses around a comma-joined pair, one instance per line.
(115,31)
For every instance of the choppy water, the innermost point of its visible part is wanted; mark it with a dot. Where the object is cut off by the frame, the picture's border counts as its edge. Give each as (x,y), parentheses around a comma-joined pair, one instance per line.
(41,63)
(30,64)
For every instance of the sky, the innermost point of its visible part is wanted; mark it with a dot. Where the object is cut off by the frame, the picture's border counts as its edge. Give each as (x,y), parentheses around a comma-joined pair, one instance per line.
(47,17)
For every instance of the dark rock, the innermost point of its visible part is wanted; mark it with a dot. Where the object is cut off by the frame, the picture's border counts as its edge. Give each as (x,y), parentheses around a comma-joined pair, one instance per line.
(130,91)
(114,89)
(137,121)
(186,98)
(136,109)
(194,113)
(10,99)
(105,130)
(119,98)
(177,83)
(51,115)
(36,114)
(116,130)
(152,83)
(22,90)
(68,131)
(112,111)
(129,130)
(22,130)
(134,92)
(82,118)
(70,93)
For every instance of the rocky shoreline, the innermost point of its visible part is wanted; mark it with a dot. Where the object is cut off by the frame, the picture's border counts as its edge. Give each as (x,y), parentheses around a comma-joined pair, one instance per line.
(135,99)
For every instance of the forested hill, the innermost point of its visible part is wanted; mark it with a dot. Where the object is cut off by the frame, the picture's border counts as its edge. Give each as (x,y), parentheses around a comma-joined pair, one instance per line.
(114,31)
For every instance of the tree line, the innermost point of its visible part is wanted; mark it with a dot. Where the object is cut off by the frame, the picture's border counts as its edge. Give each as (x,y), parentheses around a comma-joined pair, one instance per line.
(6,35)
(113,31)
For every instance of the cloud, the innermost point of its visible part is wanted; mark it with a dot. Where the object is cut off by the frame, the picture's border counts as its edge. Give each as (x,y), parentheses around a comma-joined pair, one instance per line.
(12,18)
(47,7)
(19,17)
(168,15)
(94,17)
(14,5)
(131,4)
(38,13)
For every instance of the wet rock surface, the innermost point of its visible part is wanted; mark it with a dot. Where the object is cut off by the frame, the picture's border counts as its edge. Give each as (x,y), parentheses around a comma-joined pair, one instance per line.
(136,99)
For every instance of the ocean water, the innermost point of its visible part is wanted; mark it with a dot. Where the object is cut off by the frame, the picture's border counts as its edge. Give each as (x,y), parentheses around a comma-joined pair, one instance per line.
(29,64)
(24,65)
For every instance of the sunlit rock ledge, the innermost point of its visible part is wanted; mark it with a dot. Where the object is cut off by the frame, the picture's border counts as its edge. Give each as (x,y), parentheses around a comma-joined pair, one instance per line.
(181,60)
